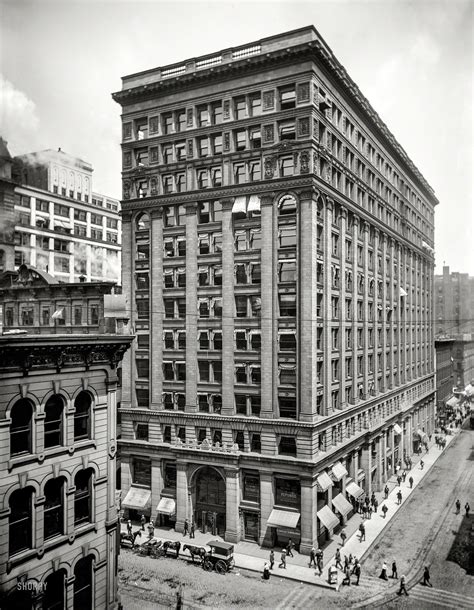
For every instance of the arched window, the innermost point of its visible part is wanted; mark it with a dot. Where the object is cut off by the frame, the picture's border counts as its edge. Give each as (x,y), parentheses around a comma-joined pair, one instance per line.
(21,427)
(20,600)
(83,584)
(143,222)
(54,508)
(287,206)
(83,497)
(82,416)
(53,423)
(53,596)
(20,520)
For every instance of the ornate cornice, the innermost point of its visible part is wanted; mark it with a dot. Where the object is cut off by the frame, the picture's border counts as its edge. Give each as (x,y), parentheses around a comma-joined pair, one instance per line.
(60,353)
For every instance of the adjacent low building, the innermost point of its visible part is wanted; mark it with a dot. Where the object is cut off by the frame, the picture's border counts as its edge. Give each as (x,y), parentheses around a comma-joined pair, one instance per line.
(58,514)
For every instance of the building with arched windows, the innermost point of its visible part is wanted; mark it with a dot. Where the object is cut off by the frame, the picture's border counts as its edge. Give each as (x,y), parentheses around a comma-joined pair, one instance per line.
(58,512)
(278,261)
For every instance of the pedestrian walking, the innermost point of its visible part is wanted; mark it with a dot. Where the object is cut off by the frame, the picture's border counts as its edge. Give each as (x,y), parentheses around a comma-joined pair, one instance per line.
(372,498)
(422,464)
(394,569)
(186,527)
(376,505)
(151,530)
(289,548)
(283,559)
(312,557)
(143,521)
(369,512)
(467,508)
(426,577)
(458,506)
(403,588)
(319,561)
(347,574)
(362,532)
(356,571)
(338,559)
(410,480)
(266,572)
(129,527)
(386,491)
(399,480)
(383,573)
(399,497)
(191,531)
(404,475)
(272,559)
(343,537)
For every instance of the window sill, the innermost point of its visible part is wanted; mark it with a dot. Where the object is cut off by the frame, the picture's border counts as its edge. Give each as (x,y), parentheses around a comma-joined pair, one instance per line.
(21,557)
(81,530)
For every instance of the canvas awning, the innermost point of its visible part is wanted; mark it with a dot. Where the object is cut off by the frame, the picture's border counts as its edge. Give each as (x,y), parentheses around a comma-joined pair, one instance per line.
(338,471)
(240,205)
(342,505)
(254,204)
(327,517)
(137,498)
(166,506)
(397,429)
(452,402)
(354,490)
(324,481)
(283,518)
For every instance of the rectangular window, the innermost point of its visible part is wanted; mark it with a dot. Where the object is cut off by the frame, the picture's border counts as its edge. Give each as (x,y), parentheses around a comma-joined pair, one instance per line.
(287,167)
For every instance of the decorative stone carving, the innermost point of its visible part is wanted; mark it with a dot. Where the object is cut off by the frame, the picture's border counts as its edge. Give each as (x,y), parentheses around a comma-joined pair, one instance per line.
(154,186)
(304,162)
(270,166)
(189,117)
(127,159)
(268,133)
(226,109)
(126,190)
(190,148)
(303,127)
(268,100)
(316,164)
(226,141)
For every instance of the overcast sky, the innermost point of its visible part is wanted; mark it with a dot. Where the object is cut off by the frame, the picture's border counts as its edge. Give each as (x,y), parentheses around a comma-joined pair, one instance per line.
(61,60)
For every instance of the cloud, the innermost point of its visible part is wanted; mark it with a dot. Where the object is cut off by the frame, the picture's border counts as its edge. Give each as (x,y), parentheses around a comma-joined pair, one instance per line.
(18,117)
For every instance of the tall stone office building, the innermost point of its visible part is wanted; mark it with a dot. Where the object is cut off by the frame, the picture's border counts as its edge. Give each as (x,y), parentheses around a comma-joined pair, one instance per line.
(277,258)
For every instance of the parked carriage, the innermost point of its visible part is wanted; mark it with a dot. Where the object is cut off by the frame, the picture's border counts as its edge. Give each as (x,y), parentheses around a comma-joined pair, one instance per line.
(220,558)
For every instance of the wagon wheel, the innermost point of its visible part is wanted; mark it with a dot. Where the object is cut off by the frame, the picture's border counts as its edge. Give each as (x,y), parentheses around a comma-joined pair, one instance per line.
(207,565)
(221,567)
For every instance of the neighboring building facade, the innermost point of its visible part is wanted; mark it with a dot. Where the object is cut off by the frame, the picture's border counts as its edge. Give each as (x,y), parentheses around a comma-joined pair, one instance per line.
(454,303)
(7,209)
(277,254)
(34,301)
(445,381)
(58,515)
(62,226)
(463,361)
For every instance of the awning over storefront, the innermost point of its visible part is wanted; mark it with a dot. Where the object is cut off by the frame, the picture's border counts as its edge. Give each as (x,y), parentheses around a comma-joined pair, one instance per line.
(354,490)
(397,429)
(324,481)
(338,471)
(137,498)
(342,505)
(452,402)
(254,204)
(283,518)
(327,517)
(167,506)
(240,205)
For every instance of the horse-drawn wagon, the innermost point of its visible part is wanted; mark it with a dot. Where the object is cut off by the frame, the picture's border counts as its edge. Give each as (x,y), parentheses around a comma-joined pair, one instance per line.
(220,558)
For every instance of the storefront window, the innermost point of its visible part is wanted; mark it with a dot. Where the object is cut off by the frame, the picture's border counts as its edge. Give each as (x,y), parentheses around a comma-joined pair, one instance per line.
(170,476)
(251,488)
(142,472)
(287,492)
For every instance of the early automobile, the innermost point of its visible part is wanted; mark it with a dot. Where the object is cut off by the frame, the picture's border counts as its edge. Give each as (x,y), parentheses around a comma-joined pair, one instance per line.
(220,558)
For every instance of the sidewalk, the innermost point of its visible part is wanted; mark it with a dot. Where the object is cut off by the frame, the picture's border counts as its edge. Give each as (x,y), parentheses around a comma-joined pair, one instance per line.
(250,556)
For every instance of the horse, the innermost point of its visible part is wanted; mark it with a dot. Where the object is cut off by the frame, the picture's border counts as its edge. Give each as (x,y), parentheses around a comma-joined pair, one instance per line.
(130,537)
(199,551)
(172,545)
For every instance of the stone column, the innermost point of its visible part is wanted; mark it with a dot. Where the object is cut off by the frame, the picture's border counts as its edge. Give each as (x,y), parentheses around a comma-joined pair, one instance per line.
(156,309)
(327,338)
(267,501)
(128,267)
(366,464)
(309,503)
(228,308)
(181,495)
(156,485)
(367,322)
(268,387)
(381,457)
(232,499)
(307,297)
(191,308)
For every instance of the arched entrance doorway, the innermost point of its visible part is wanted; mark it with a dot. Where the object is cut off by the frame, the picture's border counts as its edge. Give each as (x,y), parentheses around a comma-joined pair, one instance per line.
(209,504)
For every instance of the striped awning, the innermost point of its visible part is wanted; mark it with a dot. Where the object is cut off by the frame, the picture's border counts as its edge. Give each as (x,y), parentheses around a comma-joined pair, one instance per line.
(283,518)
(166,506)
(452,402)
(354,490)
(338,471)
(254,204)
(137,498)
(342,505)
(327,517)
(324,481)
(397,429)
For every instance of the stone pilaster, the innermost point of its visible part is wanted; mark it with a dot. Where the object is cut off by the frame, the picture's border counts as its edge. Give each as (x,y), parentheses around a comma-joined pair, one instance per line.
(228,308)
(128,268)
(309,503)
(343,324)
(191,308)
(376,325)
(391,301)
(367,322)
(156,309)
(181,495)
(232,496)
(355,316)
(156,484)
(383,381)
(267,501)
(366,465)
(327,337)
(307,299)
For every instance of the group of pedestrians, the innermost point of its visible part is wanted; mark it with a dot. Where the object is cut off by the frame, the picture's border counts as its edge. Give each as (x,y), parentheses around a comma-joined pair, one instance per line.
(467,507)
(350,568)
(316,559)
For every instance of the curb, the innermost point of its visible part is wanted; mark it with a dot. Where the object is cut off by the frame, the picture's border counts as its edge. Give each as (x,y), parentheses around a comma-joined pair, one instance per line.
(287,576)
